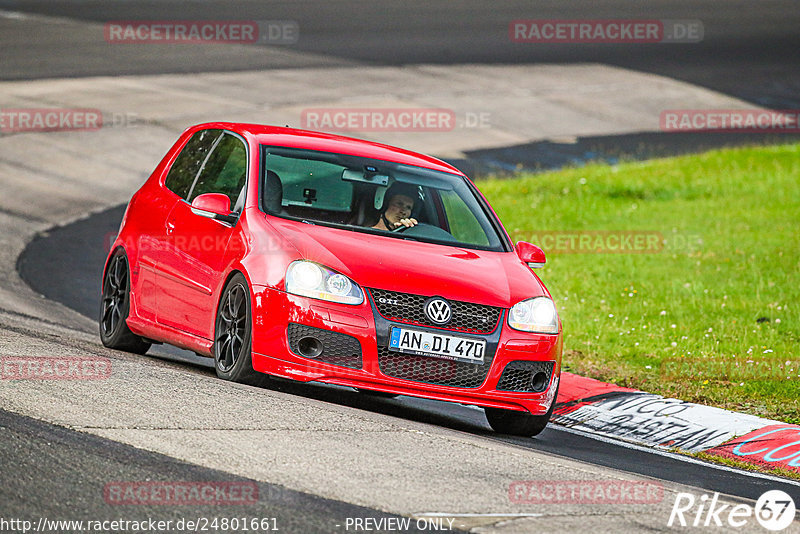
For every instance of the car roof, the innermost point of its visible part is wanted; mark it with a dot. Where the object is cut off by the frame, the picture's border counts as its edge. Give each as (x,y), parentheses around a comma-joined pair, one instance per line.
(311,140)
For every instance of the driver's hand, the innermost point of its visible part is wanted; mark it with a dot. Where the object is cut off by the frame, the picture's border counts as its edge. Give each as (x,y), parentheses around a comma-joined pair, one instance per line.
(408,223)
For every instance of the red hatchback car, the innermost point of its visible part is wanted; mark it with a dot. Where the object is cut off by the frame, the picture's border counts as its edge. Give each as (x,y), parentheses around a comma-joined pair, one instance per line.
(311,256)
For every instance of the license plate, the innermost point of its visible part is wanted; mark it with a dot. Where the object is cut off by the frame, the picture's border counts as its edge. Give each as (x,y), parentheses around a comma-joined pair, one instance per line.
(437,345)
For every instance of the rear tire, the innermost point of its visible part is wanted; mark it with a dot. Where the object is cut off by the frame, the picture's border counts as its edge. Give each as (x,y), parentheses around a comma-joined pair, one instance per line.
(233,356)
(519,423)
(115,304)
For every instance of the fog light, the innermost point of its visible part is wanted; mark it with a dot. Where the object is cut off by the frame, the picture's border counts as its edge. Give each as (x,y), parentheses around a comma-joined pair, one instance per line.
(539,382)
(310,347)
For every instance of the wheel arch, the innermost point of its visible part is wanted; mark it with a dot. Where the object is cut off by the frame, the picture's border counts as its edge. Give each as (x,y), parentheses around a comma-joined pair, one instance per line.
(111,254)
(233,272)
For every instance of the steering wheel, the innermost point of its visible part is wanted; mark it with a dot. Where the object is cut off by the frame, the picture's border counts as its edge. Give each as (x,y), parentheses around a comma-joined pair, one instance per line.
(427,231)
(403,228)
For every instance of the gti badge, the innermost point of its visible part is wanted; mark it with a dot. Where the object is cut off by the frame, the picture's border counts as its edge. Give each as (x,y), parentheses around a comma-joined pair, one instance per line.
(438,310)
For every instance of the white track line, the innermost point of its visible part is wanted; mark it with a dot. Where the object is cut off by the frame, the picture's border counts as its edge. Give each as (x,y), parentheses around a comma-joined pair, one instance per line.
(674,456)
(445,514)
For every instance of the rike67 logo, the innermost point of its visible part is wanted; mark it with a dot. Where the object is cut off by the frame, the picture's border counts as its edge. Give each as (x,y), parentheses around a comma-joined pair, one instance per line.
(774,510)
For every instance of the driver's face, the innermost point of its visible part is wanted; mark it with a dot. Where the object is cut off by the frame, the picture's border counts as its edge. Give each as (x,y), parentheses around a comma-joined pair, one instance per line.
(400,207)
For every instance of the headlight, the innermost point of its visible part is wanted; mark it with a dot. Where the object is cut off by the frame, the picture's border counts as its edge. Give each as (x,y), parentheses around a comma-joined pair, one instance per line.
(313,280)
(534,315)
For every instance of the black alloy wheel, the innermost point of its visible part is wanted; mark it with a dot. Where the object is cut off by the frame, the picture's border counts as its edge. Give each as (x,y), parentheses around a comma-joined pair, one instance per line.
(114,306)
(232,335)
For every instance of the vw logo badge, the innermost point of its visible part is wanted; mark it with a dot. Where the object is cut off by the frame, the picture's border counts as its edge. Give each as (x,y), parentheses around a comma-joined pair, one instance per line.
(438,310)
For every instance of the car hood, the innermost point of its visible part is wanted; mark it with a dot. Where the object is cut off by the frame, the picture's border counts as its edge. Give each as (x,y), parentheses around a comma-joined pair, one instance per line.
(408,266)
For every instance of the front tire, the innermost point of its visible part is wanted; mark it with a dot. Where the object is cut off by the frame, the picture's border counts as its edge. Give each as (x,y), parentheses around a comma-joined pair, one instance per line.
(232,335)
(114,307)
(519,423)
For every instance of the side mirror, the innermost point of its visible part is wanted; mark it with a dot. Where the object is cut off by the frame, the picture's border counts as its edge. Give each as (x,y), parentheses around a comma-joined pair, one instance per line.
(214,206)
(531,254)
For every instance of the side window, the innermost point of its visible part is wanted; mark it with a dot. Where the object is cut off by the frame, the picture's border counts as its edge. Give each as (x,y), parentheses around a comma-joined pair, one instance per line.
(464,225)
(224,171)
(184,169)
(300,176)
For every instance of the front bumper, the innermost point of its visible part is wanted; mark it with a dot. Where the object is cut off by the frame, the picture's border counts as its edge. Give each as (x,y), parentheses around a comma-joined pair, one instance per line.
(274,311)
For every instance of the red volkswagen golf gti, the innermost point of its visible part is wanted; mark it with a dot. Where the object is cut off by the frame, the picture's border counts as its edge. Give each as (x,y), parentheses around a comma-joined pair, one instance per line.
(316,257)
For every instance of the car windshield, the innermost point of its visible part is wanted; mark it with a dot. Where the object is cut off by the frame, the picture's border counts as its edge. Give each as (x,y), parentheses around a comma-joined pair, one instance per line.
(368,195)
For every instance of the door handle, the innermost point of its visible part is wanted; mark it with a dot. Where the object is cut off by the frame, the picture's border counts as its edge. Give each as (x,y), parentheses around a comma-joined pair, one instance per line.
(170,227)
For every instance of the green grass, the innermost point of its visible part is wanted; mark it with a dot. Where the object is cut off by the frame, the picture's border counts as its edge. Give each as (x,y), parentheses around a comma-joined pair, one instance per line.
(713,317)
(738,464)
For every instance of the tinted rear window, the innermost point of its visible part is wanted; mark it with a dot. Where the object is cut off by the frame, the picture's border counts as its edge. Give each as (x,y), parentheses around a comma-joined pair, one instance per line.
(224,170)
(184,170)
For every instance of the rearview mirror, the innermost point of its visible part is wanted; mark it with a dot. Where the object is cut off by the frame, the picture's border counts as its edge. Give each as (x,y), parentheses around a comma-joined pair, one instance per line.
(531,254)
(355,175)
(214,206)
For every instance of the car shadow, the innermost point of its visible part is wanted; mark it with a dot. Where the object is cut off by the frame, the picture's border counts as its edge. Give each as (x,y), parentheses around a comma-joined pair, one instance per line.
(440,413)
(444,414)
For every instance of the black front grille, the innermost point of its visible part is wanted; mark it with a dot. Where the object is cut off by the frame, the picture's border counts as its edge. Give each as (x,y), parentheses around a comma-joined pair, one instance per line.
(337,349)
(433,370)
(408,308)
(518,375)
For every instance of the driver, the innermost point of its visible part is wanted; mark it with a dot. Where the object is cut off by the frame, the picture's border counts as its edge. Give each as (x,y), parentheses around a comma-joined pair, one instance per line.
(397,206)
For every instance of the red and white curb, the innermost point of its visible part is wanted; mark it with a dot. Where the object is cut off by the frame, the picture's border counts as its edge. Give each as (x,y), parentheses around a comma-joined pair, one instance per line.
(655,421)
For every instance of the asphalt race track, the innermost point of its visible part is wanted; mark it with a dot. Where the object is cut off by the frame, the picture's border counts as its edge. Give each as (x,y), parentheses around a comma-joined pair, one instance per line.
(284,438)
(78,250)
(33,451)
(749,49)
